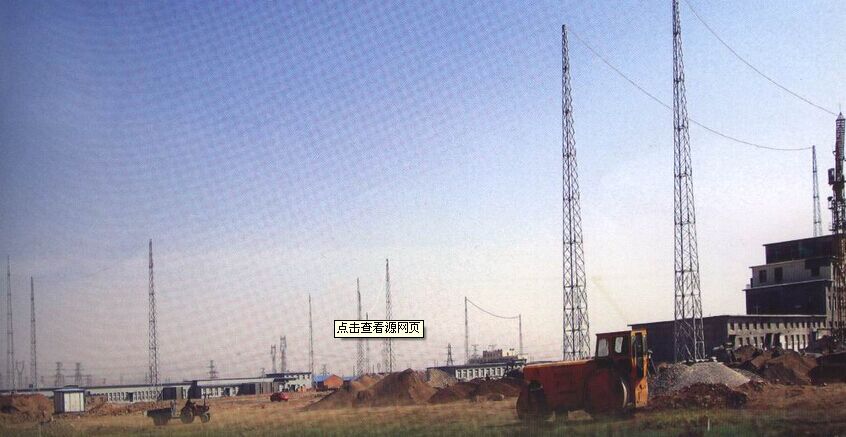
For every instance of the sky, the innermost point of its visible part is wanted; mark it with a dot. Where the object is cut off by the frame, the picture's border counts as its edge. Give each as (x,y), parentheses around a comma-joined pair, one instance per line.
(273,150)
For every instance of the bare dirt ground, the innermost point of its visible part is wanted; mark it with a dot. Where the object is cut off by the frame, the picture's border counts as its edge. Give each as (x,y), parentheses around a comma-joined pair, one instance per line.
(771,410)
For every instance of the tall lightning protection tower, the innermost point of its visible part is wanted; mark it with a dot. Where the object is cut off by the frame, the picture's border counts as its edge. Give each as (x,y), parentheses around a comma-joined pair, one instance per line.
(688,336)
(310,340)
(10,330)
(576,325)
(152,342)
(389,344)
(359,365)
(837,204)
(33,362)
(816,191)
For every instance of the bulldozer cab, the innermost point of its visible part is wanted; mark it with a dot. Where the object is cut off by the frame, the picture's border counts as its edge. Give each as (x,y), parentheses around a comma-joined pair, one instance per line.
(627,349)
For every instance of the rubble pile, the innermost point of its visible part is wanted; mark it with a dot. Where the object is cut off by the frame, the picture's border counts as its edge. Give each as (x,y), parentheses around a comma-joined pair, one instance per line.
(23,408)
(674,377)
(779,366)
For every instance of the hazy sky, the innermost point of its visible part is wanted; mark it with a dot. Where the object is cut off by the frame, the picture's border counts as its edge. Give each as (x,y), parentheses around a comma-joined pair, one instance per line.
(273,150)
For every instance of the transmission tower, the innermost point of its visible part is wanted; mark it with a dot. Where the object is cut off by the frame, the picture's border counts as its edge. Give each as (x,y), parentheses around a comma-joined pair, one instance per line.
(310,340)
(466,334)
(837,204)
(367,350)
(817,215)
(273,358)
(77,375)
(33,366)
(688,337)
(449,361)
(283,349)
(10,332)
(153,342)
(389,345)
(360,346)
(212,370)
(59,379)
(576,325)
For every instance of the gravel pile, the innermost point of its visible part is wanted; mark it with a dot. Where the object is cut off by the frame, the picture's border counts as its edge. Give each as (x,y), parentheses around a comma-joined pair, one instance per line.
(677,376)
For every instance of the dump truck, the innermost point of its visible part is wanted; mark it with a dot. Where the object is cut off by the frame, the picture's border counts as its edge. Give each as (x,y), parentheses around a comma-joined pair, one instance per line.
(161,416)
(613,381)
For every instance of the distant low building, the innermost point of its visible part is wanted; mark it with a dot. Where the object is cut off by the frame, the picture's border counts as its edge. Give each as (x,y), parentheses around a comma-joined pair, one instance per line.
(215,388)
(328,382)
(492,364)
(291,381)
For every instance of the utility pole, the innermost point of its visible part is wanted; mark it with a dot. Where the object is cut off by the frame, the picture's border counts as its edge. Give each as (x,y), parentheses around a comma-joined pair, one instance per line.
(283,348)
(576,325)
(153,352)
(310,340)
(816,188)
(10,330)
(33,366)
(449,361)
(273,357)
(360,346)
(837,204)
(688,335)
(389,345)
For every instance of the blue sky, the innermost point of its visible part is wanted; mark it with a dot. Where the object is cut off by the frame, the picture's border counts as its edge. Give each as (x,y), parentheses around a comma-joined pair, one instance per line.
(275,150)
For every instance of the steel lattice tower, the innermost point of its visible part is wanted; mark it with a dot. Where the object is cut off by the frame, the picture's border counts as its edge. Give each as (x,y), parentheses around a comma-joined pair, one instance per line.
(310,340)
(837,204)
(389,345)
(367,350)
(360,346)
(153,353)
(283,348)
(817,215)
(466,333)
(576,325)
(688,337)
(449,360)
(273,358)
(10,330)
(33,366)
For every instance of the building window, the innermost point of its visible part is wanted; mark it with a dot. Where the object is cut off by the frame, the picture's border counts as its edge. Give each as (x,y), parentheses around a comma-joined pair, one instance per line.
(778,274)
(762,276)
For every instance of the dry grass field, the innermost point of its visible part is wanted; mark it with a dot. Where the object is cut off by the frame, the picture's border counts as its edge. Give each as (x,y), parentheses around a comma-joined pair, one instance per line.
(776,410)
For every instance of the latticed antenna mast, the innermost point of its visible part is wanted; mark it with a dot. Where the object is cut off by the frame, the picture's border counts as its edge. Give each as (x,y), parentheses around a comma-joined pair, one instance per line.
(359,362)
(33,366)
(576,326)
(389,344)
(688,337)
(817,215)
(153,341)
(837,204)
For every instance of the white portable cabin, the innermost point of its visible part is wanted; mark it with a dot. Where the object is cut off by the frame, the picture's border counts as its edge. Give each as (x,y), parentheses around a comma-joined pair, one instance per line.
(69,400)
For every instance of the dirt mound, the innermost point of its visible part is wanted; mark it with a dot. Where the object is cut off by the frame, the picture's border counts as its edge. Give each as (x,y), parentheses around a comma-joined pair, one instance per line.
(111,409)
(24,408)
(700,395)
(439,379)
(404,388)
(675,377)
(478,389)
(788,368)
(745,353)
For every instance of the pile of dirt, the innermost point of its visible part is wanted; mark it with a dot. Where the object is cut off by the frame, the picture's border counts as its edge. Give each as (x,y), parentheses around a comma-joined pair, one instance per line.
(439,379)
(121,409)
(699,396)
(403,388)
(674,377)
(478,389)
(25,408)
(780,366)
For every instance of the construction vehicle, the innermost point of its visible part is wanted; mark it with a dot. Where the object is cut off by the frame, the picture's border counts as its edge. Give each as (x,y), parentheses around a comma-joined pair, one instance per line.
(613,381)
(161,416)
(279,397)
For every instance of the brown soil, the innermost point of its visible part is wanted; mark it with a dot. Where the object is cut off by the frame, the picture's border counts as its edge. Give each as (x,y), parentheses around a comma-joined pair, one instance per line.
(701,396)
(402,388)
(478,389)
(24,408)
